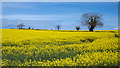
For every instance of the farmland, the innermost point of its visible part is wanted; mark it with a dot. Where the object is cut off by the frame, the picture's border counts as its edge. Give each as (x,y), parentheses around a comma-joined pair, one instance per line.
(59,48)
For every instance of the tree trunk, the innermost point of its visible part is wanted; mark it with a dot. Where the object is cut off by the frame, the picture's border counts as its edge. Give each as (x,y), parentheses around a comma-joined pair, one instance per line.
(91,28)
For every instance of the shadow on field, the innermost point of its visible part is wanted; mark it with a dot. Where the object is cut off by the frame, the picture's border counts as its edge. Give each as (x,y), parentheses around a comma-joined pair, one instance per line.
(38,42)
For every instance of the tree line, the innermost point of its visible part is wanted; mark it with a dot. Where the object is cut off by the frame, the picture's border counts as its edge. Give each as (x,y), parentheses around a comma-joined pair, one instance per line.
(91,20)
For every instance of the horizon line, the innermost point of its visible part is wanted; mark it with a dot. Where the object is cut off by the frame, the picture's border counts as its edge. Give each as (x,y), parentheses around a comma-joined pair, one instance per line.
(54,29)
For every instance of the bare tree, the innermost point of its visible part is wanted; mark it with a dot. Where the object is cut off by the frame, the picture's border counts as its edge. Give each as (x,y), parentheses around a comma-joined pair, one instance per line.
(20,25)
(58,27)
(92,20)
(29,27)
(77,27)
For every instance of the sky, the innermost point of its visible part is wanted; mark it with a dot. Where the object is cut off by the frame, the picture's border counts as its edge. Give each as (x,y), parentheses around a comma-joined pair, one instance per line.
(60,0)
(46,15)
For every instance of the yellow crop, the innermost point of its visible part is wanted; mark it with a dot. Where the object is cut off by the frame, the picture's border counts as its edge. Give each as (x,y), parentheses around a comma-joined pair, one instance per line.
(59,48)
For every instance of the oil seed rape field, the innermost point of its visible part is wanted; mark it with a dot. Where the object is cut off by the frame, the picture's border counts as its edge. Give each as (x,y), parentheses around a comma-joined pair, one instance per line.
(59,48)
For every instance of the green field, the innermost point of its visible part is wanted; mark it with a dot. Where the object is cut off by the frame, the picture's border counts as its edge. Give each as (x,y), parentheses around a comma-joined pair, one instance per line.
(59,48)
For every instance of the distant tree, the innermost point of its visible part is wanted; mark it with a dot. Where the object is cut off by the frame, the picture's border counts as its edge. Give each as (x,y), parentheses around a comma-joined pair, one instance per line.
(20,25)
(29,28)
(92,20)
(77,27)
(32,28)
(58,27)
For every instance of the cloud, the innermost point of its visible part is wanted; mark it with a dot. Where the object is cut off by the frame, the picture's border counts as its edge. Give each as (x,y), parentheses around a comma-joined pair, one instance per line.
(38,24)
(16,5)
(30,17)
(58,19)
(40,21)
(43,24)
(117,28)
(49,24)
